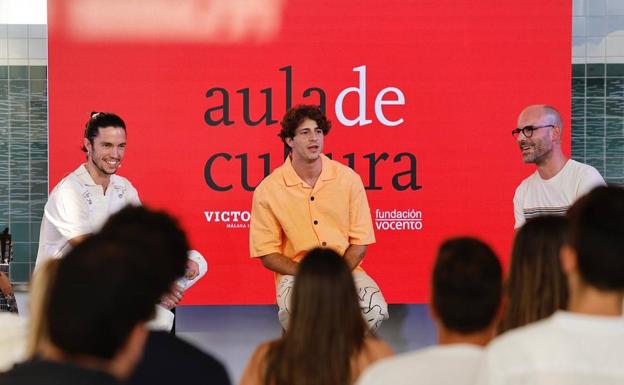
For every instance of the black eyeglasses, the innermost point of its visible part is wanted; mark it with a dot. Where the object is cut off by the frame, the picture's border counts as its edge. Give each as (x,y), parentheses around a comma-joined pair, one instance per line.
(527,131)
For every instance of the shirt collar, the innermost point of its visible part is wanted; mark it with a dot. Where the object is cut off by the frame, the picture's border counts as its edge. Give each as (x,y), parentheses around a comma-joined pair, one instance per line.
(85,178)
(291,178)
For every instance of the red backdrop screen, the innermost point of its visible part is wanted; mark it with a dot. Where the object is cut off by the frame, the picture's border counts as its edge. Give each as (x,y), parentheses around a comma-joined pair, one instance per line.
(422,96)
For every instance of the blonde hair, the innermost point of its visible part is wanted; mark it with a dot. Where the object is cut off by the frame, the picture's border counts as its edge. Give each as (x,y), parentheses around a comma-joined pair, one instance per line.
(39,288)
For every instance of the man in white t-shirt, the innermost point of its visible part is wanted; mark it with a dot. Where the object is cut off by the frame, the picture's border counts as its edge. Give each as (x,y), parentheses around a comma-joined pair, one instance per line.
(585,344)
(558,181)
(81,202)
(466,307)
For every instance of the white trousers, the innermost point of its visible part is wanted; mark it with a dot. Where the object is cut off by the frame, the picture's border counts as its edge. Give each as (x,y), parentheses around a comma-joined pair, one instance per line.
(373,305)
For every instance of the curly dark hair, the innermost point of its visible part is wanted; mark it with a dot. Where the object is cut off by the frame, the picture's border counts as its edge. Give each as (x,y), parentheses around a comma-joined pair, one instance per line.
(298,114)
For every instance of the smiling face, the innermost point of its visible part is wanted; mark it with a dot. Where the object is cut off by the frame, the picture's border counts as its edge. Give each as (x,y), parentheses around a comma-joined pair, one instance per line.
(307,143)
(105,154)
(539,147)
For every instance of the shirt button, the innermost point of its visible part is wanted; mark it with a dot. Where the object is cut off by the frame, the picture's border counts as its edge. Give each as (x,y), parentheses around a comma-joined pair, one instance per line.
(311,198)
(316,222)
(324,243)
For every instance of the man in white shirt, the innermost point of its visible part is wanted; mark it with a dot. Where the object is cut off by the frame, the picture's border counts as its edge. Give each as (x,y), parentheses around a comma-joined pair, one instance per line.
(466,307)
(81,202)
(558,181)
(585,344)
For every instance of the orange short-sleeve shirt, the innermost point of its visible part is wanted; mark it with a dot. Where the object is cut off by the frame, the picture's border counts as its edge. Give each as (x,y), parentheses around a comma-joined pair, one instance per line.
(292,218)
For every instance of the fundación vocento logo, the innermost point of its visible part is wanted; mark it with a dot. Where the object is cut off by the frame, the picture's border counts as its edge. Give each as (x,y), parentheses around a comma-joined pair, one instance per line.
(394,220)
(230,219)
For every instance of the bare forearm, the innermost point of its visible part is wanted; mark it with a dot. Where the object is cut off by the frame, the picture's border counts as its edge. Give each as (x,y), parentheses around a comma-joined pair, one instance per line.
(354,255)
(280,263)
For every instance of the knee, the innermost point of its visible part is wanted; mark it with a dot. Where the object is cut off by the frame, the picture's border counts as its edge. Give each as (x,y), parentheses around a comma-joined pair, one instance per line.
(375,313)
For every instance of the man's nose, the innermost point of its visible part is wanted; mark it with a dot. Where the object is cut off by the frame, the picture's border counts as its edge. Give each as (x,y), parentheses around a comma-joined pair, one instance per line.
(521,138)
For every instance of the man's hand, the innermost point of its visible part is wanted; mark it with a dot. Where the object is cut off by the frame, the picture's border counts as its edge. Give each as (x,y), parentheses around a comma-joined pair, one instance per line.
(172,298)
(192,269)
(354,255)
(280,264)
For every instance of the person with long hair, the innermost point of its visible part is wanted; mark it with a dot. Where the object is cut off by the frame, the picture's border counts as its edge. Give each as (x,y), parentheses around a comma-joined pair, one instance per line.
(583,344)
(536,286)
(327,341)
(38,302)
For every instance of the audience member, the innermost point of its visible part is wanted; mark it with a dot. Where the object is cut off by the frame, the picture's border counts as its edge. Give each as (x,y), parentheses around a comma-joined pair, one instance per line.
(166,359)
(536,286)
(327,341)
(585,344)
(169,360)
(40,284)
(465,305)
(98,302)
(107,287)
(156,231)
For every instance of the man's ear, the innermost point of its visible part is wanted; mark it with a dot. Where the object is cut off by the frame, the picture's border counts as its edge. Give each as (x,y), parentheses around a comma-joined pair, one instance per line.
(569,260)
(556,134)
(87,145)
(289,142)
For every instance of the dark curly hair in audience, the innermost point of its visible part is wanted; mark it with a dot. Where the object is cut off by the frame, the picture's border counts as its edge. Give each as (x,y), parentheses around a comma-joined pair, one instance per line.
(296,115)
(157,233)
(112,281)
(466,285)
(99,294)
(536,286)
(597,237)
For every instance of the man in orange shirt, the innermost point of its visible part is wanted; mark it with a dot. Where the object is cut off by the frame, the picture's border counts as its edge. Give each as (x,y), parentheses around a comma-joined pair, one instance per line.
(312,201)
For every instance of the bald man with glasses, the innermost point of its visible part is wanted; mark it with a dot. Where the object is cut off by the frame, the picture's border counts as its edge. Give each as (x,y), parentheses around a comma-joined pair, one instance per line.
(558,181)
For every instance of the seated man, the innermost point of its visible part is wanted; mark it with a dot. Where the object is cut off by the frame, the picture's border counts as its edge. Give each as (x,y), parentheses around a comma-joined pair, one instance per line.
(585,344)
(465,305)
(81,202)
(312,201)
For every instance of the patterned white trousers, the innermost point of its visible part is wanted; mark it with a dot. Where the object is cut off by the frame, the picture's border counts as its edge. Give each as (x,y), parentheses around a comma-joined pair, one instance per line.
(372,303)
